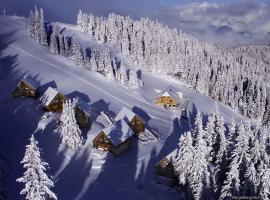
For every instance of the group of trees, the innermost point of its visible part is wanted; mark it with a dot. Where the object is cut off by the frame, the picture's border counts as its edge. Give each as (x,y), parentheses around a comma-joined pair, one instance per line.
(37,184)
(214,162)
(237,76)
(94,57)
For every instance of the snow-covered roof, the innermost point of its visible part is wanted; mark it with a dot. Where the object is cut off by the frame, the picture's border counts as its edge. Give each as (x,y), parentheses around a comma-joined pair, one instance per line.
(171,156)
(48,96)
(31,82)
(118,132)
(125,113)
(169,92)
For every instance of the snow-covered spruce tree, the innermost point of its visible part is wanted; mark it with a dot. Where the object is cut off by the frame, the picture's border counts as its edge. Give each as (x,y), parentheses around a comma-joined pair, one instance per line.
(184,159)
(199,172)
(222,156)
(37,183)
(37,25)
(264,177)
(210,135)
(62,48)
(238,166)
(43,33)
(76,53)
(198,127)
(133,80)
(31,25)
(69,130)
(54,43)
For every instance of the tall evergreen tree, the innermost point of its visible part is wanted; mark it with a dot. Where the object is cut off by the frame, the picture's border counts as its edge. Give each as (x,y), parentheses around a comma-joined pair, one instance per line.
(37,183)
(184,159)
(69,130)
(43,33)
(76,53)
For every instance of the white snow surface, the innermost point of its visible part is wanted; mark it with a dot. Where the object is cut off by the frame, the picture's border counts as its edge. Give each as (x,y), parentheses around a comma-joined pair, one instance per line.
(98,175)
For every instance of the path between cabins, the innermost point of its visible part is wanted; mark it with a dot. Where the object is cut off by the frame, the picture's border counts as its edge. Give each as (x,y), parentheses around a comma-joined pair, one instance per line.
(87,82)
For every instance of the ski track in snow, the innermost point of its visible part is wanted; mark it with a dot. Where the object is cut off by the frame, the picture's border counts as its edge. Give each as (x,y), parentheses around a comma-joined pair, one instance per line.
(85,81)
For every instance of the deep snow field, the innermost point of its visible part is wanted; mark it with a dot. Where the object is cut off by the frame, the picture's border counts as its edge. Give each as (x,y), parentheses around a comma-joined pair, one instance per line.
(88,173)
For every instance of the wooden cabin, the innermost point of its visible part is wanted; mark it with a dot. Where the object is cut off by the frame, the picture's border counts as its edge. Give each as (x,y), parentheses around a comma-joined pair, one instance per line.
(52,100)
(82,117)
(136,123)
(165,168)
(114,138)
(167,98)
(26,88)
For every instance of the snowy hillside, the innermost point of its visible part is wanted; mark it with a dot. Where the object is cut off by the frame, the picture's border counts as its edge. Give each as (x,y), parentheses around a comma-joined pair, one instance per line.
(90,173)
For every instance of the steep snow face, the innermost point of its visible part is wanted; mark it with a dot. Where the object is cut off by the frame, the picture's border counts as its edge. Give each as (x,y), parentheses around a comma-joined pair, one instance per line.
(128,177)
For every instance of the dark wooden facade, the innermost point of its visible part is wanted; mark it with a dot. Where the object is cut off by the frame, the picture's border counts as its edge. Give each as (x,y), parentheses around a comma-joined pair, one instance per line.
(56,105)
(82,117)
(166,169)
(25,89)
(101,141)
(137,124)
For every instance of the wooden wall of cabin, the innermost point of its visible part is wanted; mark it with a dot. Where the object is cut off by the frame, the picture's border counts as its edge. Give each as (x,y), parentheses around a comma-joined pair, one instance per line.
(137,125)
(101,141)
(82,118)
(56,104)
(165,168)
(23,89)
(166,101)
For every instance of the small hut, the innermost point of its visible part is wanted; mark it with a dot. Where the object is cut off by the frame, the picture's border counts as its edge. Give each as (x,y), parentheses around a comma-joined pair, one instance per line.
(115,138)
(167,98)
(165,168)
(52,100)
(27,87)
(136,123)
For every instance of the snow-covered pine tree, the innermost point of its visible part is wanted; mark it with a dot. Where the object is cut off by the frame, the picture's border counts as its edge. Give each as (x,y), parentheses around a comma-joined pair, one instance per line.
(53,43)
(238,166)
(133,80)
(43,33)
(184,158)
(67,47)
(37,183)
(264,177)
(231,185)
(76,52)
(31,25)
(222,157)
(37,25)
(79,18)
(62,48)
(198,127)
(199,172)
(69,130)
(210,135)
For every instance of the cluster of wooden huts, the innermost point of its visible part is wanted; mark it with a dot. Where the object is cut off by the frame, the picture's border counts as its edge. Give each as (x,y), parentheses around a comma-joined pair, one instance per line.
(115,138)
(52,100)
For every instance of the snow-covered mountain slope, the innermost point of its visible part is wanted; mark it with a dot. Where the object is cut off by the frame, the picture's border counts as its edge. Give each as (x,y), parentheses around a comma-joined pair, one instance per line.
(87,174)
